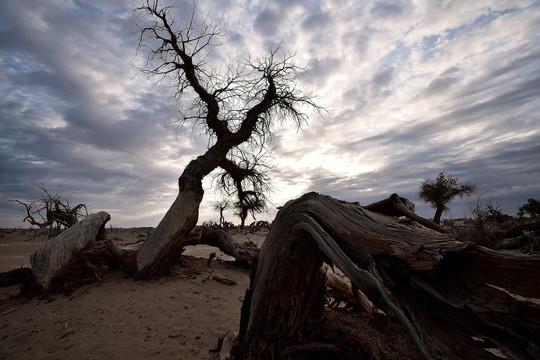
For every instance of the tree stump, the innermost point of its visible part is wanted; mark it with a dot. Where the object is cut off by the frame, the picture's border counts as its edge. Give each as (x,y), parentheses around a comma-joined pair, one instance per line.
(438,288)
(57,253)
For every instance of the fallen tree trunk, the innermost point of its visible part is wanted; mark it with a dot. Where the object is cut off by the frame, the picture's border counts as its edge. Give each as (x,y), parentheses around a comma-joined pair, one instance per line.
(524,236)
(15,276)
(78,255)
(518,230)
(399,206)
(204,235)
(511,243)
(349,292)
(438,288)
(55,256)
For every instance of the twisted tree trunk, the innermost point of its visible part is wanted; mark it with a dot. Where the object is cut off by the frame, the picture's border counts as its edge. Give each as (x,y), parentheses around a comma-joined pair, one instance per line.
(237,106)
(163,247)
(438,288)
(438,213)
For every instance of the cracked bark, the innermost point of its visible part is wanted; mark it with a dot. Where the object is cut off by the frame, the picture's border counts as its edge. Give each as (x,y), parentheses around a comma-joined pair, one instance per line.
(438,288)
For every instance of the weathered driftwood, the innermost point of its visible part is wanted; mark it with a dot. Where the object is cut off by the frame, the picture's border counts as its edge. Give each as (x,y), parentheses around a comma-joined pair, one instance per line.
(204,235)
(518,230)
(349,292)
(200,235)
(521,236)
(455,299)
(508,243)
(84,249)
(396,205)
(55,254)
(228,341)
(15,276)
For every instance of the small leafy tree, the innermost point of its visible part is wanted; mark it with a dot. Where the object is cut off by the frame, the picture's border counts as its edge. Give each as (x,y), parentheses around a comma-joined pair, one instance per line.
(532,207)
(441,191)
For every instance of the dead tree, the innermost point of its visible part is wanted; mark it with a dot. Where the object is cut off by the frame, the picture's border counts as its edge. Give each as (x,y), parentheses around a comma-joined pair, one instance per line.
(237,107)
(221,206)
(52,211)
(78,255)
(60,256)
(454,299)
(249,178)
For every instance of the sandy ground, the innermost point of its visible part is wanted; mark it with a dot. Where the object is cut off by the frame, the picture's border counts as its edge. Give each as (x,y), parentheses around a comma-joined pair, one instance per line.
(178,317)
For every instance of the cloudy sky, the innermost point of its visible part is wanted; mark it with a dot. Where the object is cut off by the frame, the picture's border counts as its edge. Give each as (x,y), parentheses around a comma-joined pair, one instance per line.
(412,87)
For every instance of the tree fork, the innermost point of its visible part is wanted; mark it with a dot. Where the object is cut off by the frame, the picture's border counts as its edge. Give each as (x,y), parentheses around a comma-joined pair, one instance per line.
(252,100)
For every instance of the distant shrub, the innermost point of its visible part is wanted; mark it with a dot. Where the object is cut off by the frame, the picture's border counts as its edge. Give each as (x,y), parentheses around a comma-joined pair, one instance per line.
(532,207)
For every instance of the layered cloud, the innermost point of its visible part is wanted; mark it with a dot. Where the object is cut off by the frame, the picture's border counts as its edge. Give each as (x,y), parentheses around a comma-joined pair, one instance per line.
(411,88)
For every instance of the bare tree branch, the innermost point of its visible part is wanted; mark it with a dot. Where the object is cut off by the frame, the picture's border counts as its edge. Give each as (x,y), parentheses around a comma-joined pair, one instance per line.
(52,211)
(237,105)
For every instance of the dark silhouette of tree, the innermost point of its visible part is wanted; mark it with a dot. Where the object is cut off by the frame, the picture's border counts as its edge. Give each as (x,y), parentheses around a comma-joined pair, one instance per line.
(221,206)
(249,178)
(441,191)
(532,207)
(250,202)
(52,211)
(237,106)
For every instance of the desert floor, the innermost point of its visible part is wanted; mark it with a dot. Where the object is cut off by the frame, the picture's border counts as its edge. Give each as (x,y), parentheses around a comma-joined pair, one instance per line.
(177,317)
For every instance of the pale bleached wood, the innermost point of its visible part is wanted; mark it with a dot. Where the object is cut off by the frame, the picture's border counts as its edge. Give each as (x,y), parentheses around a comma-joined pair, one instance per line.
(58,252)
